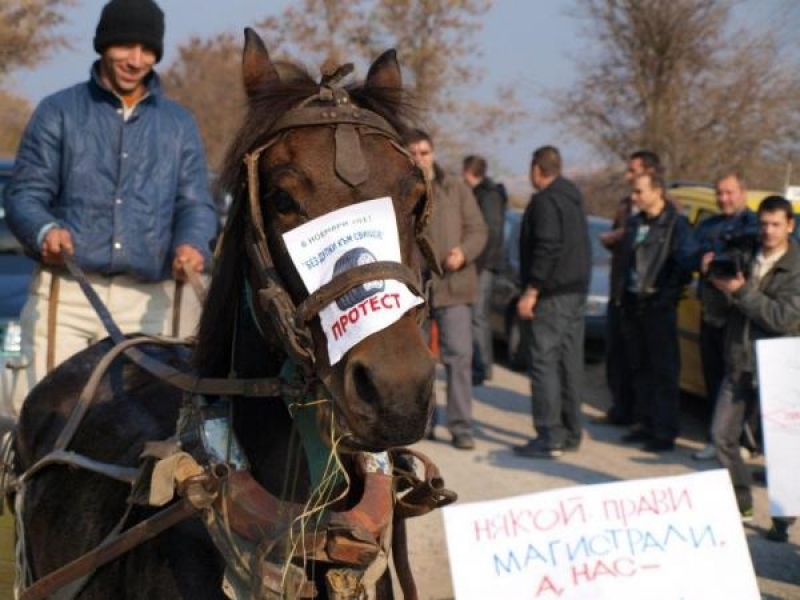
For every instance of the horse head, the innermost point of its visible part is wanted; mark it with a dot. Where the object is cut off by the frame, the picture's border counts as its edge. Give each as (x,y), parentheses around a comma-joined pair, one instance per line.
(307,149)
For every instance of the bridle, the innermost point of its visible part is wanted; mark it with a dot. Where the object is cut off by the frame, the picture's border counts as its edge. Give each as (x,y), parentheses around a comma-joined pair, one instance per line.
(330,107)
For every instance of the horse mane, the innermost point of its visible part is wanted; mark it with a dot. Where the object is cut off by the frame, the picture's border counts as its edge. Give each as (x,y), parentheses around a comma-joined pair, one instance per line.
(266,104)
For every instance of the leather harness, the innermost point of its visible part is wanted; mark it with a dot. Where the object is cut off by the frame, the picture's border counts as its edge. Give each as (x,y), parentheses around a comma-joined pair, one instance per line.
(247,511)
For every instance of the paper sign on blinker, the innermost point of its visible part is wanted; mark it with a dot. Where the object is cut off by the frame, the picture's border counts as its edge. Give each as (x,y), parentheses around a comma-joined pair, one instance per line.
(329,245)
(667,538)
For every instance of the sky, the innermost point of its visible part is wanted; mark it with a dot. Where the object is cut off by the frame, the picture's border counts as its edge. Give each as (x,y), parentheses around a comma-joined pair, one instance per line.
(531,43)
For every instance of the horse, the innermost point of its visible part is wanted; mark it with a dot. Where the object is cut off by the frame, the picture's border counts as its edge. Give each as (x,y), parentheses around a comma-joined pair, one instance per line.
(305,149)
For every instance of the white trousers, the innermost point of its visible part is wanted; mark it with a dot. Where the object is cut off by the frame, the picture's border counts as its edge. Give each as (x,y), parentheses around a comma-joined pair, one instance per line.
(135,306)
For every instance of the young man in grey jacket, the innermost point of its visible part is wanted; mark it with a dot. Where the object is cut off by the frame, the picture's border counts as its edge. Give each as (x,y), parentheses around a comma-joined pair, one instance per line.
(765,301)
(112,173)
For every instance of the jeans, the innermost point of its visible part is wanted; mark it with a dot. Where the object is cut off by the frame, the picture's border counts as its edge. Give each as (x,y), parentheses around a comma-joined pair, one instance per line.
(618,375)
(455,351)
(737,397)
(555,359)
(651,339)
(482,355)
(712,356)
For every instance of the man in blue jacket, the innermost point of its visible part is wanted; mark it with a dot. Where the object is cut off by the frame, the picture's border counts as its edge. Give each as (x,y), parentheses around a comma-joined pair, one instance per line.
(114,174)
(734,225)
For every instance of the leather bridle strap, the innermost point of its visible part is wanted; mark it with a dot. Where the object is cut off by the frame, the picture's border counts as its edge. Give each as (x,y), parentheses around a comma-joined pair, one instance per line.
(52,319)
(109,550)
(268,386)
(333,115)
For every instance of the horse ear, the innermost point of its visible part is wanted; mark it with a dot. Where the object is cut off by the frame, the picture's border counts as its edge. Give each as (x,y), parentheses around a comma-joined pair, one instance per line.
(385,72)
(257,68)
(288,72)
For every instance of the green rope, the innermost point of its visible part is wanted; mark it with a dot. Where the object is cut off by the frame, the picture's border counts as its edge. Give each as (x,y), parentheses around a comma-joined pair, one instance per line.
(305,421)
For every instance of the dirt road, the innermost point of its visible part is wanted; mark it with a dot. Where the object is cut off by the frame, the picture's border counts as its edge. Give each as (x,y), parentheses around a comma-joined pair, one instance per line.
(501,411)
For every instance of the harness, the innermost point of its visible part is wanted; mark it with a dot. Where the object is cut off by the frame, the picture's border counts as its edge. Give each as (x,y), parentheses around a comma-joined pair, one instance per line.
(245,521)
(350,123)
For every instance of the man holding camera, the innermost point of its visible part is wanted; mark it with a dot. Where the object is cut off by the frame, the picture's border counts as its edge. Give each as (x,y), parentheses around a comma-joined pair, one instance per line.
(716,234)
(765,303)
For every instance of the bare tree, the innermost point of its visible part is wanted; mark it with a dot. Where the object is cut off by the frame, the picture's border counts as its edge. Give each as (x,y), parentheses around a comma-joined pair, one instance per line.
(27,38)
(205,77)
(27,32)
(675,78)
(435,41)
(14,112)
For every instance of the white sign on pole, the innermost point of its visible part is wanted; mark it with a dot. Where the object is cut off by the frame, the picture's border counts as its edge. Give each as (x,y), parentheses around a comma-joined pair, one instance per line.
(668,538)
(779,387)
(351,236)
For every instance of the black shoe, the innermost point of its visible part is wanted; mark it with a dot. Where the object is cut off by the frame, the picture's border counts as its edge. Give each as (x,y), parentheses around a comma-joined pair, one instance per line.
(463,441)
(636,436)
(477,381)
(779,532)
(657,445)
(538,449)
(572,445)
(610,420)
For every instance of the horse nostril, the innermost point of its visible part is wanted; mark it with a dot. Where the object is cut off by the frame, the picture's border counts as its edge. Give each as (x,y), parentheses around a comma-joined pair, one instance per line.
(365,387)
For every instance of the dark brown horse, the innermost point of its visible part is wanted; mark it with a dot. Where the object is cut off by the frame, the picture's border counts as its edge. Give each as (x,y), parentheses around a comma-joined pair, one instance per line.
(305,149)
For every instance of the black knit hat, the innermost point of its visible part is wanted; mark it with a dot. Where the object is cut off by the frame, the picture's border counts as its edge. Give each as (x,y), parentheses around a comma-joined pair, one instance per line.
(131,22)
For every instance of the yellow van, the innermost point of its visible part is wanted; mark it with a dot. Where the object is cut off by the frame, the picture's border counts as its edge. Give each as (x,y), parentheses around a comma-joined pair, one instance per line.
(698,202)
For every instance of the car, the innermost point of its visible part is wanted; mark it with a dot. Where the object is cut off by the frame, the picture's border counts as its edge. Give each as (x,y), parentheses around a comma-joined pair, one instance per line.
(15,274)
(698,202)
(505,322)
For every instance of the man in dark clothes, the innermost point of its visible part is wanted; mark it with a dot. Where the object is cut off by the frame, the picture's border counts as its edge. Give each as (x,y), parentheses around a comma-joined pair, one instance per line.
(617,375)
(492,202)
(555,266)
(648,286)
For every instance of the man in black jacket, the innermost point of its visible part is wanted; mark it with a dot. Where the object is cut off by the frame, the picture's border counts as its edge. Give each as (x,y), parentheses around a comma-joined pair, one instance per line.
(555,267)
(619,380)
(647,287)
(492,202)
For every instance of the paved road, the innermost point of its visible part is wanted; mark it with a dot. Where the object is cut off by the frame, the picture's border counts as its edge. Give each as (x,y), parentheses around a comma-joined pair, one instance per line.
(492,471)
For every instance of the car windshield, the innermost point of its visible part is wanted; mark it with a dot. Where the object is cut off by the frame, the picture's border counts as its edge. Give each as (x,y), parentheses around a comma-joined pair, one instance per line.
(597,225)
(600,254)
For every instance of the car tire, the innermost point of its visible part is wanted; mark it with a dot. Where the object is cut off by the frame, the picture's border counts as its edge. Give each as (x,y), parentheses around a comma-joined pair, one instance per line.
(515,349)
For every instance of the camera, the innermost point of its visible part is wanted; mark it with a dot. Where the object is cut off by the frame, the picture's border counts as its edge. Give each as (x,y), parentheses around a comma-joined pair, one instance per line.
(738,250)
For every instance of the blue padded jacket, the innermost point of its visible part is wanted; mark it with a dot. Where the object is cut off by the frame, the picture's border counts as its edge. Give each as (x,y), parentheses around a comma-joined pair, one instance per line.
(129,191)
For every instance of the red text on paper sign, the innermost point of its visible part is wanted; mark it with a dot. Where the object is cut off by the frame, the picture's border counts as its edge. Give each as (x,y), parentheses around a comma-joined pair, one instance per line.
(523,521)
(589,572)
(389,301)
(785,418)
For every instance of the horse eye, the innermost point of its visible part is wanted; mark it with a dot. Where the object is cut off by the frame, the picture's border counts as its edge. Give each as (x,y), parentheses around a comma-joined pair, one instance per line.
(283,202)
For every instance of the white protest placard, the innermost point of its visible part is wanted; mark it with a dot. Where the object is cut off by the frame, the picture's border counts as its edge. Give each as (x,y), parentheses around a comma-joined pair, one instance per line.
(779,388)
(668,538)
(351,236)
